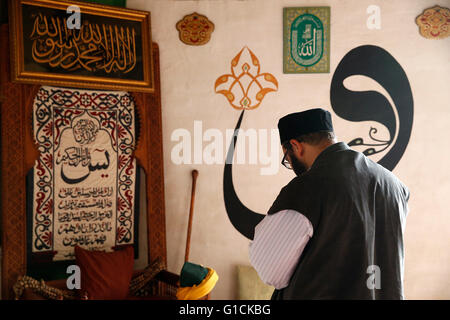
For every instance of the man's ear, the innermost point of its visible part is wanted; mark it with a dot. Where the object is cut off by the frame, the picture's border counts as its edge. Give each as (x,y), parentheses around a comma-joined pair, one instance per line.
(297,147)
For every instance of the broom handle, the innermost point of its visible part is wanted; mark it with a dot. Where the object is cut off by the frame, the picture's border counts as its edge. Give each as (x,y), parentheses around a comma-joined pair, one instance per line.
(191,213)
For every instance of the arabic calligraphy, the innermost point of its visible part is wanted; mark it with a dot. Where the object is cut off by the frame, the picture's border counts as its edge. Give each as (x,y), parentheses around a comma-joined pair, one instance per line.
(85,228)
(307,40)
(85,177)
(308,47)
(84,203)
(85,131)
(86,192)
(85,215)
(74,156)
(84,158)
(94,47)
(68,216)
(83,240)
(84,210)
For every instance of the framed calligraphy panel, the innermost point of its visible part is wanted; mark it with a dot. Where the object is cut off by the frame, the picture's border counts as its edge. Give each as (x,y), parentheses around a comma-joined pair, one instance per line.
(84,183)
(306,40)
(103,47)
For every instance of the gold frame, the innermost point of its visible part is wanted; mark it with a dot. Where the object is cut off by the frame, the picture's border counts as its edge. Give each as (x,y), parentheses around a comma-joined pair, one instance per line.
(19,74)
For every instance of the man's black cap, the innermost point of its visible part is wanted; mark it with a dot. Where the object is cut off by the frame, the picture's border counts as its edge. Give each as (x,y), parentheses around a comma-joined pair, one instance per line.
(299,123)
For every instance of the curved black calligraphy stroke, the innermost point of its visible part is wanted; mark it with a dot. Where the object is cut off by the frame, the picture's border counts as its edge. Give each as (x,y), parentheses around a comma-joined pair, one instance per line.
(68,180)
(91,168)
(377,64)
(242,218)
(100,166)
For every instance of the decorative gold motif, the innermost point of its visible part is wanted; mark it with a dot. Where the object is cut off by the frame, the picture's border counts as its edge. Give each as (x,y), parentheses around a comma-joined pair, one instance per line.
(245,87)
(195,29)
(434,23)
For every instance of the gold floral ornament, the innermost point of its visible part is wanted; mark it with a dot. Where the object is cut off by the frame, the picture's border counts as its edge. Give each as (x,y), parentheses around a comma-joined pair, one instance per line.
(195,29)
(245,87)
(434,23)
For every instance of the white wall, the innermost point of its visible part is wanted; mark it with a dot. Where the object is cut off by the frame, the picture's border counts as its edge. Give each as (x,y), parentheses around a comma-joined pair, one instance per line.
(188,75)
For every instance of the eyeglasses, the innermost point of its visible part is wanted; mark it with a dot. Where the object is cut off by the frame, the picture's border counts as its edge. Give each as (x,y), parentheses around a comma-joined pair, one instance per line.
(285,162)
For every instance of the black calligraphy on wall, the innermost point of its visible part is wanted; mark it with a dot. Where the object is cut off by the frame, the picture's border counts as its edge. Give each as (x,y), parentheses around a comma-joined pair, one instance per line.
(376,63)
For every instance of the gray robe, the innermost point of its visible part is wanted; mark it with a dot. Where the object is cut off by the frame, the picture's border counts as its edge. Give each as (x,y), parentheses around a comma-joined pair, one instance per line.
(358,211)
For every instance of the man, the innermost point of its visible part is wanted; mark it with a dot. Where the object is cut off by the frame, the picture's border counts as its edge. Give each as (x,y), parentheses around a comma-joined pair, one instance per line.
(335,231)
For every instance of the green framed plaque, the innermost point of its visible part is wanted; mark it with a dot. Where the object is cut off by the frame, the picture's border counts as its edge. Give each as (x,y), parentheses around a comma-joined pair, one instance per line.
(306,40)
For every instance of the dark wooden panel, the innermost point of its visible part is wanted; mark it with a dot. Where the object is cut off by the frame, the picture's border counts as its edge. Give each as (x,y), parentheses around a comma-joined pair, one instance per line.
(18,155)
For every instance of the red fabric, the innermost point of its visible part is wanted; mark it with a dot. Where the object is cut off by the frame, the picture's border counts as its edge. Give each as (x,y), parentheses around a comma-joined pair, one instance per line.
(105,275)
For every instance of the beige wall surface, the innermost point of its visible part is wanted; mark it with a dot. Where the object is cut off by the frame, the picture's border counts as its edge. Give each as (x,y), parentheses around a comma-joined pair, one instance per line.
(188,75)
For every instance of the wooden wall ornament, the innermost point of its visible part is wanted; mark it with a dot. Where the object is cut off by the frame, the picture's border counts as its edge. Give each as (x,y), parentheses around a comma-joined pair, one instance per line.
(195,29)
(19,154)
(434,23)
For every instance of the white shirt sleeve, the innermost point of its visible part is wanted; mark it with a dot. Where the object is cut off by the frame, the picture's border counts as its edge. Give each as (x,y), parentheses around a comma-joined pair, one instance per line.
(277,246)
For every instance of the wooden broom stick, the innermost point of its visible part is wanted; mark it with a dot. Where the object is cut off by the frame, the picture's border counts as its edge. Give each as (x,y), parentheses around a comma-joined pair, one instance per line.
(191,213)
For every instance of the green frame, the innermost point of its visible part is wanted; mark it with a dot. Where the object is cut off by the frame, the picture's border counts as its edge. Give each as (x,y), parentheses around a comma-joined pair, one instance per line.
(290,16)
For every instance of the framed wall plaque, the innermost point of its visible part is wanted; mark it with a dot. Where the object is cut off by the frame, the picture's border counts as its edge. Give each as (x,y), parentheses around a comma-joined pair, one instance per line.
(306,40)
(110,48)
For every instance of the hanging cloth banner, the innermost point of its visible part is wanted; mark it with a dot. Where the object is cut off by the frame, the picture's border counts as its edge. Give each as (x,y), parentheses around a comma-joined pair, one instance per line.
(84,179)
